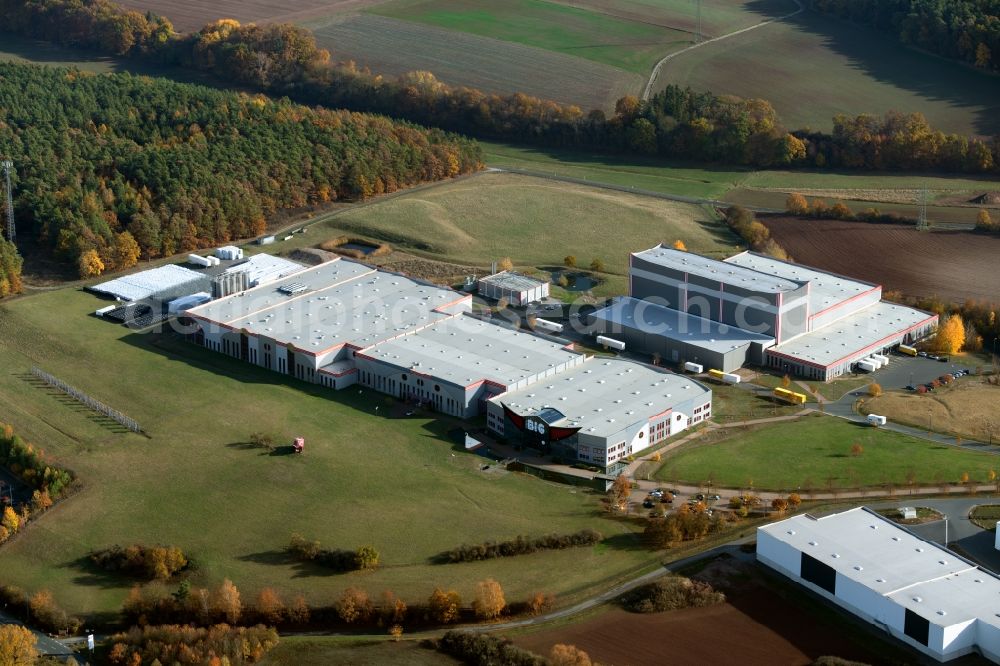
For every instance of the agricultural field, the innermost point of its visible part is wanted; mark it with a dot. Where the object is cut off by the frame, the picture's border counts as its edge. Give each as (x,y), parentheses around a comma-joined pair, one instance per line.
(967,408)
(952,265)
(630,45)
(192,15)
(815,455)
(812,67)
(398,483)
(763,621)
(392,47)
(480,219)
(717,18)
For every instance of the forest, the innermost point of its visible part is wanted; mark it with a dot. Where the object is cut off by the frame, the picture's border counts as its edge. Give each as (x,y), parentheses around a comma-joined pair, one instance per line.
(676,123)
(965,30)
(114,168)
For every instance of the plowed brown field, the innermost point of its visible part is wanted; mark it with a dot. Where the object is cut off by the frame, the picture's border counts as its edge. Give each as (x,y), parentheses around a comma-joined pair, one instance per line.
(755,627)
(952,265)
(190,15)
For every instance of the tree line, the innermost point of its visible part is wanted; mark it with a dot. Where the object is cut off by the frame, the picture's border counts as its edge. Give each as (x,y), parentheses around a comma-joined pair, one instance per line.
(114,168)
(676,123)
(964,30)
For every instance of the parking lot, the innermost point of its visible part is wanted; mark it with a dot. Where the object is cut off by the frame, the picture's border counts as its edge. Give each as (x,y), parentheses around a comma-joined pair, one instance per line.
(905,371)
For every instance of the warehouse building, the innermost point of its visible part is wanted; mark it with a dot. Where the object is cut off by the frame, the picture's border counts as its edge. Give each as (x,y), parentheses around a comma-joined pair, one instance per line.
(600,412)
(920,593)
(162,283)
(343,323)
(789,317)
(676,336)
(513,287)
(460,363)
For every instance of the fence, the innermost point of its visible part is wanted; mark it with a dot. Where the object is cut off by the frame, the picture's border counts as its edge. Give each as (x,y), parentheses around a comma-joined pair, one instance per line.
(85,399)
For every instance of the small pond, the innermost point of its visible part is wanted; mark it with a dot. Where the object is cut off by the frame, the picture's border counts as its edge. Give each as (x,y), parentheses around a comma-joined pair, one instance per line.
(363,248)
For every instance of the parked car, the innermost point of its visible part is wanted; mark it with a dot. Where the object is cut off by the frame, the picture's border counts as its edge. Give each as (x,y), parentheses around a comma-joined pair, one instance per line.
(656,493)
(666,498)
(942,359)
(700,497)
(714,498)
(922,354)
(648,503)
(911,387)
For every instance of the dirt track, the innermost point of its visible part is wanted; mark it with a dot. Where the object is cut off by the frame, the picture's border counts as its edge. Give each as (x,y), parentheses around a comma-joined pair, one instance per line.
(953,265)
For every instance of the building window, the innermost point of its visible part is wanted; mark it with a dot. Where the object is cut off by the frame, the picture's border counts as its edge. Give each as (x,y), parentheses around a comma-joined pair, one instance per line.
(641,434)
(437,387)
(403,377)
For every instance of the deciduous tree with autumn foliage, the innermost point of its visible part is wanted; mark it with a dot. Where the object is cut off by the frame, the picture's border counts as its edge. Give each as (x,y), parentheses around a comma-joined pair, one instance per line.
(950,335)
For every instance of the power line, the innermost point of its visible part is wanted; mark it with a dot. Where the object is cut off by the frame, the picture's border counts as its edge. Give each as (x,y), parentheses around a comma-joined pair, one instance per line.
(922,223)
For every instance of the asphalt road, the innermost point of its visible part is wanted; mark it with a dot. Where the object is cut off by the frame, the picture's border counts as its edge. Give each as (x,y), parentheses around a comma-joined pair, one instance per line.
(46,645)
(978,543)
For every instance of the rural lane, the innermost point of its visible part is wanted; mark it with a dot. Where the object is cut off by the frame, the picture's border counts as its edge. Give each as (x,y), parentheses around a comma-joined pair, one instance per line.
(670,56)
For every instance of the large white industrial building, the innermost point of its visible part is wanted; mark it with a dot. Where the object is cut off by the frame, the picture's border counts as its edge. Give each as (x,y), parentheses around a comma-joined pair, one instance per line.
(755,309)
(343,323)
(920,593)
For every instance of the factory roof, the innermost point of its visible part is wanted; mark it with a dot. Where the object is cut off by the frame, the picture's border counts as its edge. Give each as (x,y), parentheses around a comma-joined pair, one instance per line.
(716,270)
(512,281)
(673,324)
(464,350)
(149,283)
(264,268)
(853,334)
(604,396)
(334,303)
(825,289)
(920,575)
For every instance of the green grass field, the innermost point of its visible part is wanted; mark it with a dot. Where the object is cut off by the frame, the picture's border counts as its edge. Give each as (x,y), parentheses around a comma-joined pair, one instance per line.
(535,221)
(812,67)
(815,451)
(396,483)
(338,651)
(643,174)
(631,45)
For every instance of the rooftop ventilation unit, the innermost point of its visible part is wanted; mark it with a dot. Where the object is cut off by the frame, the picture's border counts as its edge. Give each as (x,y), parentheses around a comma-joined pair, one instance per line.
(292,288)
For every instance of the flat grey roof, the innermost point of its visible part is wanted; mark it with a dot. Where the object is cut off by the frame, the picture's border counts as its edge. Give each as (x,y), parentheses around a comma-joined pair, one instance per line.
(145,284)
(464,350)
(825,289)
(604,396)
(263,268)
(344,302)
(512,281)
(673,324)
(848,336)
(713,269)
(917,574)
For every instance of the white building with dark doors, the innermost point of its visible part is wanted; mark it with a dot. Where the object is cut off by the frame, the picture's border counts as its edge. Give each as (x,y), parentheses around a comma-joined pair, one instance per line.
(924,595)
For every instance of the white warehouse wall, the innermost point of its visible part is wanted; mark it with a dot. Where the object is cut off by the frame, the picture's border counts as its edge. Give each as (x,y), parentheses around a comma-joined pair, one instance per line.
(778,555)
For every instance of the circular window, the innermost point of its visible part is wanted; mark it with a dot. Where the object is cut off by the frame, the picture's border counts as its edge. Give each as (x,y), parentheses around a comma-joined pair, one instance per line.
(641,435)
(403,378)
(437,387)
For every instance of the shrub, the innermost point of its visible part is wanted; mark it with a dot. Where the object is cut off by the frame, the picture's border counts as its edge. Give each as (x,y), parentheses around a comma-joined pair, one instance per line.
(171,644)
(520,545)
(148,562)
(365,557)
(671,593)
(31,466)
(486,650)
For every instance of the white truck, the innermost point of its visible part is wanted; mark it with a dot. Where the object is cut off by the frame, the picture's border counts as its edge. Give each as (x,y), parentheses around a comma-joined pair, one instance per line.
(867,366)
(694,367)
(876,420)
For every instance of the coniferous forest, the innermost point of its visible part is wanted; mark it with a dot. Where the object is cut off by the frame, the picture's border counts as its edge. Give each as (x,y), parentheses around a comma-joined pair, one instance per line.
(114,168)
